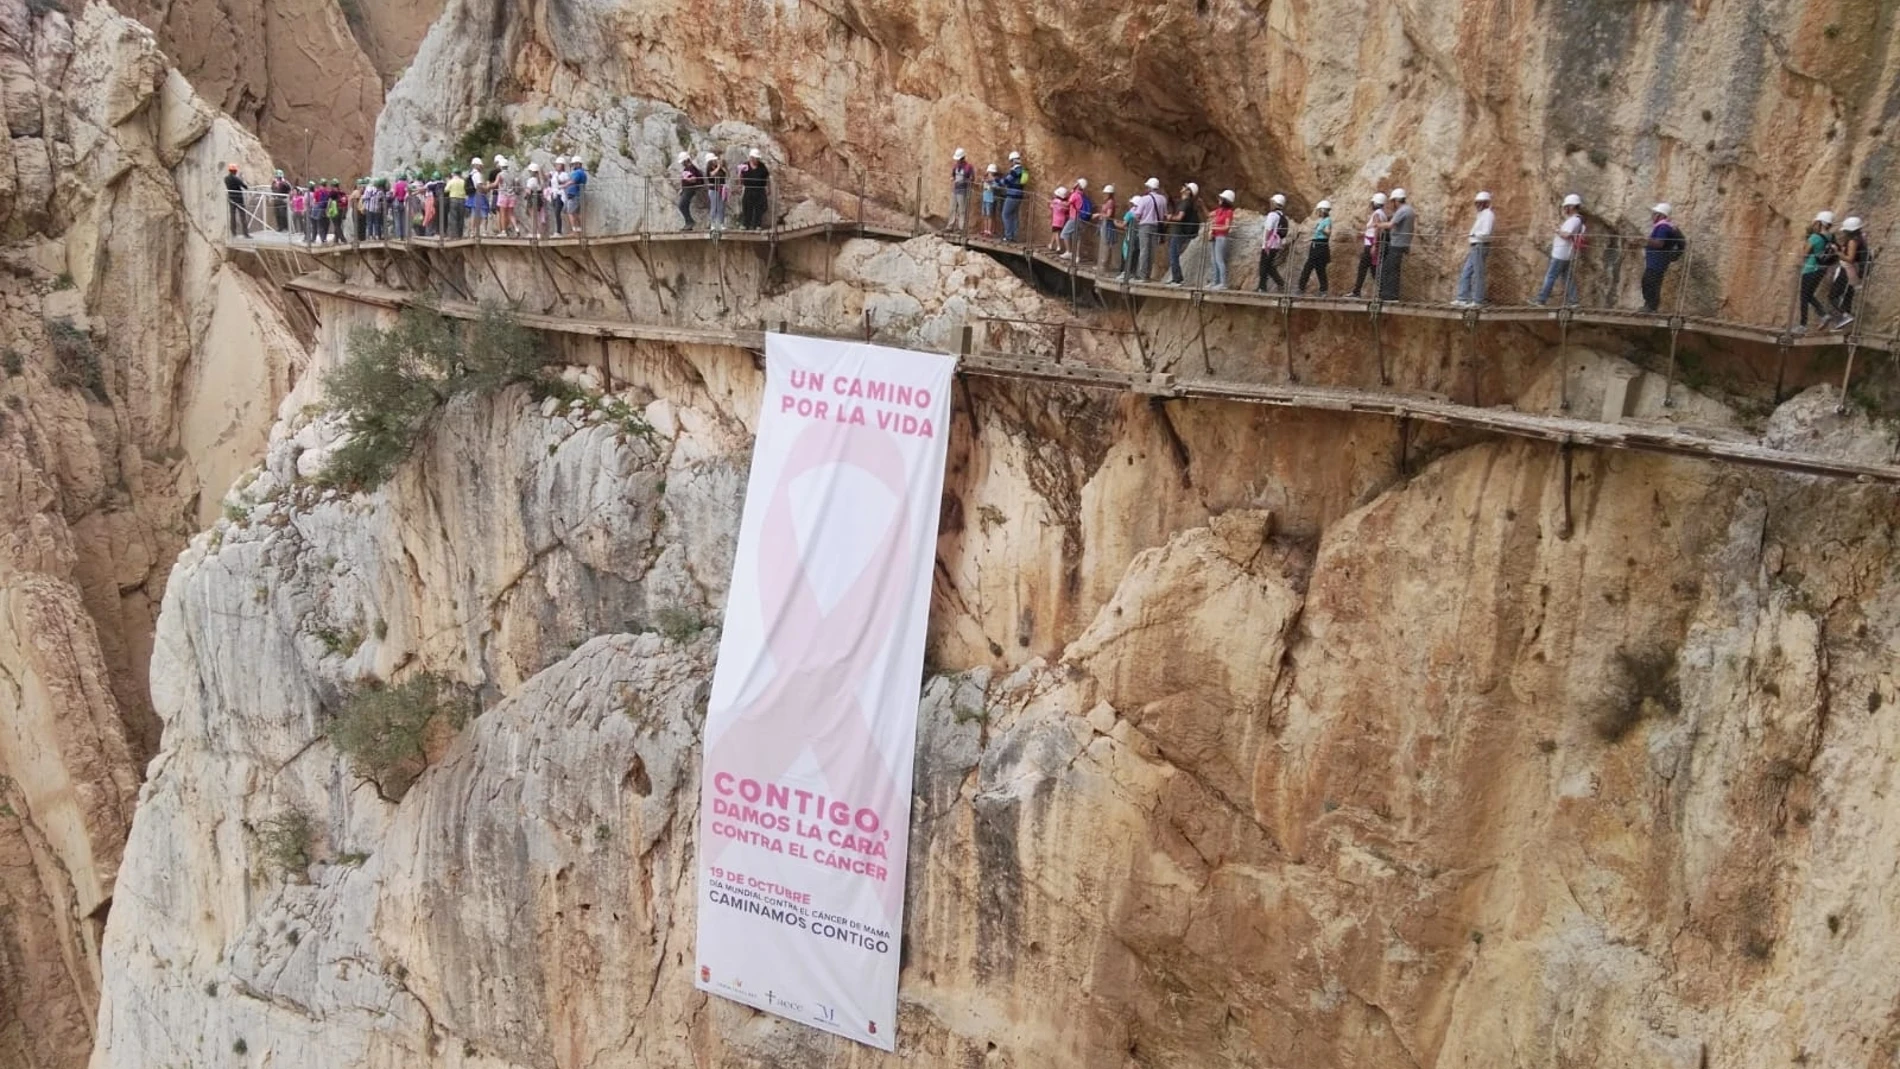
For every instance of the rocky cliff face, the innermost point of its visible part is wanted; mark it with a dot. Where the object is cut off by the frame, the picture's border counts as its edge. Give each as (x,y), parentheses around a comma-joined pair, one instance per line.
(305,76)
(1271,754)
(1747,118)
(138,374)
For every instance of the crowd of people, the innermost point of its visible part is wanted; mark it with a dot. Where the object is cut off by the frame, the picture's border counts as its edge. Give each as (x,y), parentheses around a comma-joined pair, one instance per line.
(1132,238)
(502,197)
(492,198)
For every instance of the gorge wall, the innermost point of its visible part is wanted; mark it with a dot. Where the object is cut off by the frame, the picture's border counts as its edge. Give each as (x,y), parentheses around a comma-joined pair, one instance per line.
(139,373)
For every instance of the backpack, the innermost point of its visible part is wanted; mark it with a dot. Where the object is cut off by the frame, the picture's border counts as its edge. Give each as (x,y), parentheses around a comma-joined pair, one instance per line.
(1674,244)
(1581,240)
(1280,227)
(332,211)
(1088,209)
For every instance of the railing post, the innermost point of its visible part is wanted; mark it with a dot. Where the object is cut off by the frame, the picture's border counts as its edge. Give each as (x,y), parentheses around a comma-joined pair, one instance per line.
(860,205)
(963,345)
(1062,340)
(867,324)
(917,219)
(1840,406)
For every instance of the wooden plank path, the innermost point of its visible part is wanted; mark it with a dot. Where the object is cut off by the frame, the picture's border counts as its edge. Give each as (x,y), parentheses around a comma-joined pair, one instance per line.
(1561,430)
(1106,284)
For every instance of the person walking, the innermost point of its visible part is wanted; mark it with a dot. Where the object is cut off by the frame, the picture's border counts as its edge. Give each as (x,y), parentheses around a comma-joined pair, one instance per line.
(755,189)
(1319,251)
(1109,235)
(992,200)
(1398,243)
(296,213)
(690,179)
(1851,273)
(1822,254)
(962,177)
(1185,223)
(1220,222)
(534,201)
(1015,185)
(280,201)
(1148,208)
(1058,217)
(1564,244)
(1471,276)
(717,192)
(1273,243)
(234,189)
(1369,245)
(1081,212)
(571,193)
(1663,247)
(1131,238)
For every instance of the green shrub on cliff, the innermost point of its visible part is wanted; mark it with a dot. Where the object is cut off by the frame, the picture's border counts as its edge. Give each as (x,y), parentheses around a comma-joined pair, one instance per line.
(385,730)
(395,378)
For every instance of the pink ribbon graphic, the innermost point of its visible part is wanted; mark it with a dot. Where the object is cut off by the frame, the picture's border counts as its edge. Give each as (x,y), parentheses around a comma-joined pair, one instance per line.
(821,657)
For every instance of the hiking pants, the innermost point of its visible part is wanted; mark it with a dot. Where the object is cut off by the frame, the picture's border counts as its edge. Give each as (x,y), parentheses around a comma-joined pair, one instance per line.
(1471,278)
(240,223)
(1811,281)
(686,206)
(1368,268)
(1270,269)
(1842,292)
(959,209)
(1559,270)
(1105,256)
(1652,287)
(1318,255)
(1145,262)
(1176,243)
(1389,272)
(1012,216)
(1219,262)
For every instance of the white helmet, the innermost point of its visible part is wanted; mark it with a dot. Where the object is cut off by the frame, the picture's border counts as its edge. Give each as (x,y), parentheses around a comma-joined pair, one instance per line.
(1062,191)
(1324,206)
(1825,218)
(1571,200)
(992,168)
(683,157)
(1081,183)
(563,159)
(1398,193)
(1378,200)
(1227,195)
(1154,183)
(1482,196)
(1852,222)
(535,167)
(1109,188)
(709,157)
(1194,189)
(754,154)
(957,155)
(1662,208)
(1015,157)
(476,162)
(1279,200)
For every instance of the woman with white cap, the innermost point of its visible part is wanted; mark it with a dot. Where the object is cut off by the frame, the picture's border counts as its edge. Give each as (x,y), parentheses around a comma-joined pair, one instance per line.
(557,178)
(1273,243)
(1319,251)
(533,197)
(962,177)
(1015,187)
(1821,254)
(1186,218)
(1220,223)
(1851,274)
(1664,246)
(691,179)
(716,176)
(1110,234)
(992,199)
(1369,245)
(1080,209)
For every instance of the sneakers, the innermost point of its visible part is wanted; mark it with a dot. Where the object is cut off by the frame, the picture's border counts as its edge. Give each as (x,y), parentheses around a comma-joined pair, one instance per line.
(1801,328)
(1841,321)
(1218,286)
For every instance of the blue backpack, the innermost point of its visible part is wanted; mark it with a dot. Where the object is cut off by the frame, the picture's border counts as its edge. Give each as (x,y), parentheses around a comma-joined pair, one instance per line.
(1088,208)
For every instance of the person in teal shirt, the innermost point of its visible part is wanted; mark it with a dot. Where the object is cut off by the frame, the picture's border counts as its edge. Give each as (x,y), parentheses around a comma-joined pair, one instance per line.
(1319,249)
(1821,256)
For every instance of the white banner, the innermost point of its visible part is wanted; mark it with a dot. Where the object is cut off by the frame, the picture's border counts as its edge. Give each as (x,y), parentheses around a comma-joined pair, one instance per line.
(804,805)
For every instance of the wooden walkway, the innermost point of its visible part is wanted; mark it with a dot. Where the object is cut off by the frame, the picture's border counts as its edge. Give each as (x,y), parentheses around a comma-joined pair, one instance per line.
(1106,284)
(1561,430)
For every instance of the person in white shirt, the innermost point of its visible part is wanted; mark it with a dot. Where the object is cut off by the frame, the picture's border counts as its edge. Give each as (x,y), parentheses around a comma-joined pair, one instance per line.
(1274,239)
(1563,252)
(1369,245)
(1471,278)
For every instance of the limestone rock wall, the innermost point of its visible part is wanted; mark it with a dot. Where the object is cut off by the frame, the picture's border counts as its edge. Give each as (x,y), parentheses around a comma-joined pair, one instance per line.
(1271,756)
(305,76)
(139,373)
(1748,118)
